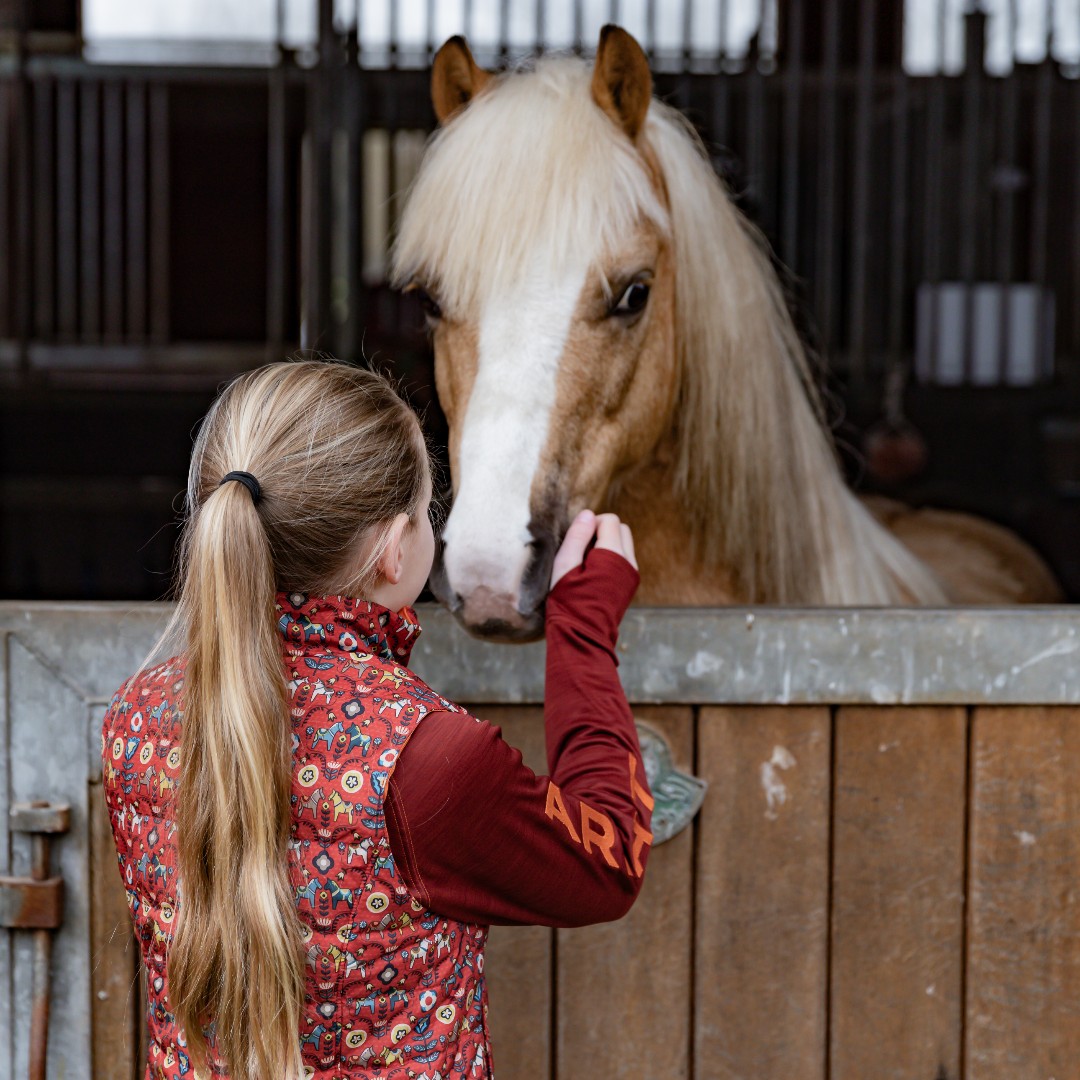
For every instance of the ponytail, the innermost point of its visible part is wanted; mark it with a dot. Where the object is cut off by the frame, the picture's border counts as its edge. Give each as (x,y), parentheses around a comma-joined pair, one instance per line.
(232,808)
(337,455)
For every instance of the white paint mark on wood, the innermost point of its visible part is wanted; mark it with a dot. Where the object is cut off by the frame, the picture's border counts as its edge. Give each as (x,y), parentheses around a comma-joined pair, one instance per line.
(776,792)
(1026,839)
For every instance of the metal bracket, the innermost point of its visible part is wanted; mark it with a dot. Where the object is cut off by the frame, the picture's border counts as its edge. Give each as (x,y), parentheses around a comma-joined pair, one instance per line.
(26,904)
(36,903)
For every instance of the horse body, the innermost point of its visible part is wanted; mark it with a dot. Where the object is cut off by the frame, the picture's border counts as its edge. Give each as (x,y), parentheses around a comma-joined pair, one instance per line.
(609,332)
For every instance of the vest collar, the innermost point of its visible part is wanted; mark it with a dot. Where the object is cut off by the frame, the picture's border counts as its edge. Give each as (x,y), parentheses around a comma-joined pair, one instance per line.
(348,624)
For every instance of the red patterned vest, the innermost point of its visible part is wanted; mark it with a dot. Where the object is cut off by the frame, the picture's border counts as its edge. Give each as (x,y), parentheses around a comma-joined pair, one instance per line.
(393,990)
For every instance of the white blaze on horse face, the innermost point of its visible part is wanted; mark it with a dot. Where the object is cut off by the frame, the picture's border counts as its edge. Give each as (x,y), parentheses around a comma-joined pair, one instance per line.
(522,334)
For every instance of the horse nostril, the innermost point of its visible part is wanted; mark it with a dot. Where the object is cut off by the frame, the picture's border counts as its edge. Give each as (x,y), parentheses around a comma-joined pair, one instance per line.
(534,585)
(439,582)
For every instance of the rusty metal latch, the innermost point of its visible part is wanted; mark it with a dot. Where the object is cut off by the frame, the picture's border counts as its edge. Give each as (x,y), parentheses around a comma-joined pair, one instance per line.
(36,903)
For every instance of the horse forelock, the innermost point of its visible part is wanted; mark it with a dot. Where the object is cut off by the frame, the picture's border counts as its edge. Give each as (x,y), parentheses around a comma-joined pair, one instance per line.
(531,178)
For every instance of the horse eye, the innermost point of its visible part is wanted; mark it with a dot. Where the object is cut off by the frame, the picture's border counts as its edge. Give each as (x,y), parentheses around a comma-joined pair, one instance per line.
(633,299)
(427,302)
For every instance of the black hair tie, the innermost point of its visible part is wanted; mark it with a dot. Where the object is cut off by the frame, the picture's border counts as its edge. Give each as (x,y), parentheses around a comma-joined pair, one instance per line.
(248,481)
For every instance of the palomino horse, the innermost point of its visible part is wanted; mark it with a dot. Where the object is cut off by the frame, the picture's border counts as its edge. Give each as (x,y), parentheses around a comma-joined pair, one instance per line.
(609,333)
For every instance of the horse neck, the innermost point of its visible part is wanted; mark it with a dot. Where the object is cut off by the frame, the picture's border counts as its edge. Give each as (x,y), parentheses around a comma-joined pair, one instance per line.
(647,498)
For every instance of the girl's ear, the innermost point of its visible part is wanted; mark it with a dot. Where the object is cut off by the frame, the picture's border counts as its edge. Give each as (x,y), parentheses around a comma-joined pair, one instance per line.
(392,561)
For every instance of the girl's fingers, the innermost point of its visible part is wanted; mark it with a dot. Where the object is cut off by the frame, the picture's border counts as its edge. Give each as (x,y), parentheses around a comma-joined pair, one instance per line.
(572,550)
(611,534)
(628,545)
(608,533)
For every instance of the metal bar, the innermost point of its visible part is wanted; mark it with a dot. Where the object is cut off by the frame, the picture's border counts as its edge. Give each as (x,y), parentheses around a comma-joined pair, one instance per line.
(395,31)
(721,104)
(1074,110)
(14,221)
(67,194)
(687,34)
(932,213)
(279,24)
(827,175)
(651,24)
(970,202)
(1040,212)
(393,298)
(160,213)
(90,211)
(42,942)
(23,262)
(1006,195)
(44,210)
(136,211)
(860,228)
(898,223)
(276,165)
(354,97)
(793,61)
(755,110)
(6,329)
(319,197)
(504,29)
(113,181)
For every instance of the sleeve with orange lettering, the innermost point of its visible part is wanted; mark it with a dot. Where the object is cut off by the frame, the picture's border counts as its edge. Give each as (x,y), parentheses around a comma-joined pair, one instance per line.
(480,837)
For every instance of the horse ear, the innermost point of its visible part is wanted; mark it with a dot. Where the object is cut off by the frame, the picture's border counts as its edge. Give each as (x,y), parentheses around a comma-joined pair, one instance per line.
(455,78)
(621,82)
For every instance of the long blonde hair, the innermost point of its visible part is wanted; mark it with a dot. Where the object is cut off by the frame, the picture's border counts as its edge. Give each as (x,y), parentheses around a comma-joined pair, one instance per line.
(338,454)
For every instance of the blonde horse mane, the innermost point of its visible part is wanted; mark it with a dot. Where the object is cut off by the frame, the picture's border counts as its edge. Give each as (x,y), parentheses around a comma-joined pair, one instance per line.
(756,467)
(553,179)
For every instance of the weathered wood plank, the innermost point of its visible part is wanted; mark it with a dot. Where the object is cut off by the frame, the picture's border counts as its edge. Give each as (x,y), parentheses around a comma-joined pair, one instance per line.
(1023,975)
(115,1000)
(617,981)
(898,893)
(518,961)
(760,936)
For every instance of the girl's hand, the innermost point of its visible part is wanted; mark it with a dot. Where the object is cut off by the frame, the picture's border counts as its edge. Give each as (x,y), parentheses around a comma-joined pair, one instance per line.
(610,533)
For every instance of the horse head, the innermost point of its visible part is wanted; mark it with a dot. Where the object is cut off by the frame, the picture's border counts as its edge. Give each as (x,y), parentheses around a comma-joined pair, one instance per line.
(537,234)
(609,332)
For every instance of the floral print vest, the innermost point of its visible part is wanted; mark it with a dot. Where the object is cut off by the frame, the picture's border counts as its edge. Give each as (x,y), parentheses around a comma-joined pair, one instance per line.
(393,990)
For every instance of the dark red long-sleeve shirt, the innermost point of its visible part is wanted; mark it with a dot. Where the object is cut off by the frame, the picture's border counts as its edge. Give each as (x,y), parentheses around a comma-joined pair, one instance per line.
(480,837)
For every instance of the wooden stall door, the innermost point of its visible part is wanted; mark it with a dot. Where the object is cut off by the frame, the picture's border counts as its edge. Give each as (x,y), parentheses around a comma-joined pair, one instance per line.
(1023,960)
(897,908)
(580,1004)
(762,894)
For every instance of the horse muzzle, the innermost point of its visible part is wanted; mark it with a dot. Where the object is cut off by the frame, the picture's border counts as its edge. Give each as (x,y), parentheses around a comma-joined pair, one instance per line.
(491,610)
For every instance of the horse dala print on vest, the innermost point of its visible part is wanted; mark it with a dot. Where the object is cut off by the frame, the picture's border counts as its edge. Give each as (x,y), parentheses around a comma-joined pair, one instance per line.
(391,985)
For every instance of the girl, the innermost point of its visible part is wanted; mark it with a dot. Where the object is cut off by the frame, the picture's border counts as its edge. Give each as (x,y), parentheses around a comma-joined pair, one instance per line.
(313,841)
